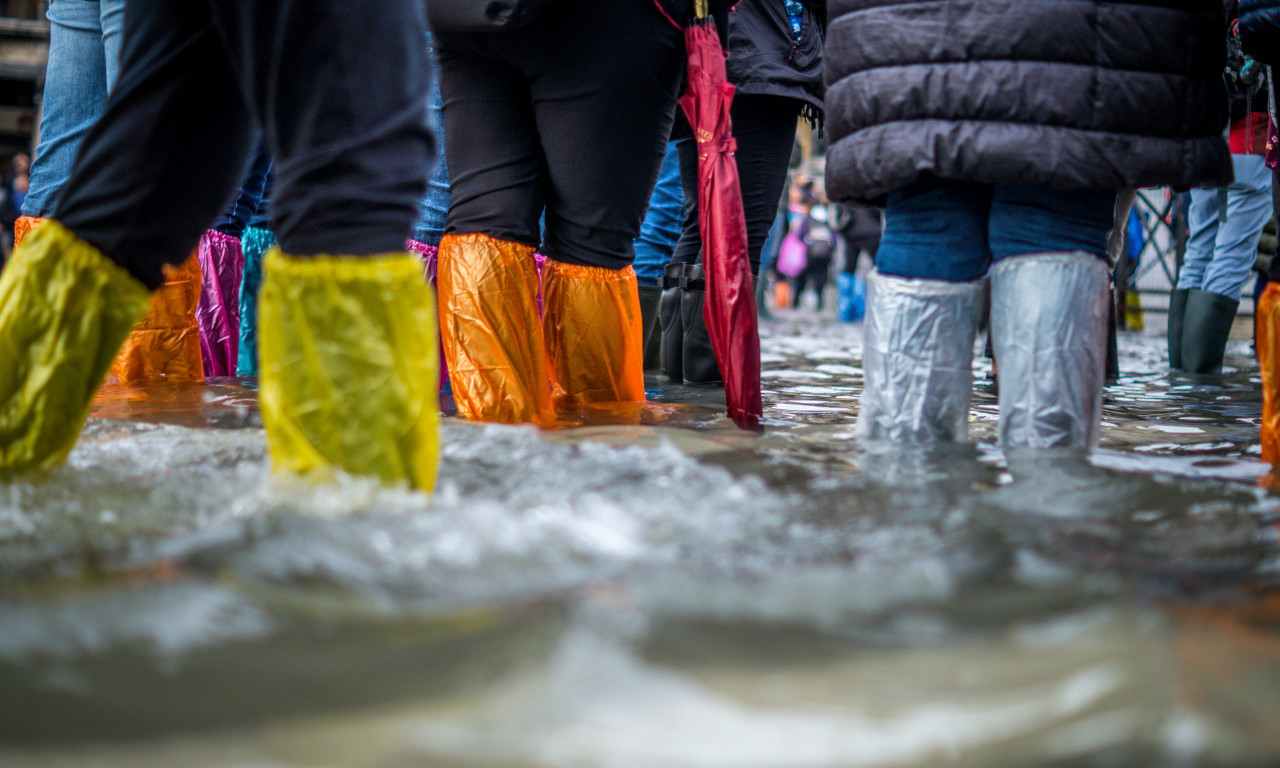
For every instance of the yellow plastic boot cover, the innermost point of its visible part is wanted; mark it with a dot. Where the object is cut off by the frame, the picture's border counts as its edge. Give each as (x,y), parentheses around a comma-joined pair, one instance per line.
(492,330)
(166,344)
(64,311)
(591,322)
(348,366)
(1268,344)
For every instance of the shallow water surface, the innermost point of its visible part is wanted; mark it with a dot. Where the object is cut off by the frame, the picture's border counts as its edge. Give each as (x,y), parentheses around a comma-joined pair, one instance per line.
(651,587)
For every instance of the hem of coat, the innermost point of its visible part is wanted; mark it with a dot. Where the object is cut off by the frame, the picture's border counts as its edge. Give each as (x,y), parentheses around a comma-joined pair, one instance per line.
(857,169)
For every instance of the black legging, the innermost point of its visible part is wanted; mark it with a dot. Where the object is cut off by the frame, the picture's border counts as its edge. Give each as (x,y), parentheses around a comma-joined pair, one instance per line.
(765,129)
(570,113)
(338,89)
(815,276)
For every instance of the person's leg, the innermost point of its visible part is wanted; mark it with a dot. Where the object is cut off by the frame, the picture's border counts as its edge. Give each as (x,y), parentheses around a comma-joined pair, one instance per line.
(936,230)
(130,193)
(1236,245)
(488,282)
(126,211)
(433,209)
(604,109)
(112,16)
(348,350)
(1050,308)
(923,303)
(1211,309)
(802,282)
(1267,342)
(819,272)
(659,234)
(764,129)
(1202,233)
(679,298)
(222,266)
(235,220)
(660,230)
(75,90)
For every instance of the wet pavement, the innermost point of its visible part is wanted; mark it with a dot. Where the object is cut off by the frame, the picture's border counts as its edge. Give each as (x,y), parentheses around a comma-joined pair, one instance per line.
(651,587)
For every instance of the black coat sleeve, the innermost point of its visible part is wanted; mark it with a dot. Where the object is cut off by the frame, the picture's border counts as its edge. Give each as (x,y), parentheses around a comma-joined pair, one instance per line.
(1260,29)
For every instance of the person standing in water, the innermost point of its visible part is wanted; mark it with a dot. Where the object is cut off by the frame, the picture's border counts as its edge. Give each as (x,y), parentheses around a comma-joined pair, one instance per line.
(349,376)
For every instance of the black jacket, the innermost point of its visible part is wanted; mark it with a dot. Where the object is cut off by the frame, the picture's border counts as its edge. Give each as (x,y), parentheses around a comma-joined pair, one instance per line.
(1077,94)
(764,58)
(1260,29)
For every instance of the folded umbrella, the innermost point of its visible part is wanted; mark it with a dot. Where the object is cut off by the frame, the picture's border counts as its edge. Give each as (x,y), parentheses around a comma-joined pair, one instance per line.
(730,308)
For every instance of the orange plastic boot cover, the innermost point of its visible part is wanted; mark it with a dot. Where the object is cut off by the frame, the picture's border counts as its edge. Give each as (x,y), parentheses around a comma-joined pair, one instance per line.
(23,226)
(492,333)
(1268,344)
(591,321)
(166,344)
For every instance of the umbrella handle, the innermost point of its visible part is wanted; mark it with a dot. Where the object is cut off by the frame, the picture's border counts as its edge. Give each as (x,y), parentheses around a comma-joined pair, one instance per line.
(700,9)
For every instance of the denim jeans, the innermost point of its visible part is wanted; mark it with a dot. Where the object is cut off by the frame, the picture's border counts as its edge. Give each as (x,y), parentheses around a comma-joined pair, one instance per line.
(84,54)
(244,207)
(937,229)
(434,208)
(1220,255)
(660,230)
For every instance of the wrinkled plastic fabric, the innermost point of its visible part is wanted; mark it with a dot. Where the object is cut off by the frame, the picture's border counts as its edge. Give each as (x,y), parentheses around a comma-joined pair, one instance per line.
(166,343)
(254,245)
(730,308)
(349,373)
(492,330)
(917,359)
(222,270)
(594,336)
(1268,344)
(64,311)
(1049,316)
(430,256)
(23,226)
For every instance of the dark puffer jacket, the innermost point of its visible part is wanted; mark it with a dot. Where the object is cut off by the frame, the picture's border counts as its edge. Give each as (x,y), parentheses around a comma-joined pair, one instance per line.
(1077,94)
(1260,29)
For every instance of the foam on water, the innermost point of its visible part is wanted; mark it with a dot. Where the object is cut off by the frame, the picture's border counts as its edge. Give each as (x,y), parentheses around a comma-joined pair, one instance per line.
(602,597)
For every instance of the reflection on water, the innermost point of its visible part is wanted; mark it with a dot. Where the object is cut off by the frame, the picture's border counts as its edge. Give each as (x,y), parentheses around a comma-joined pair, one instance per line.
(648,586)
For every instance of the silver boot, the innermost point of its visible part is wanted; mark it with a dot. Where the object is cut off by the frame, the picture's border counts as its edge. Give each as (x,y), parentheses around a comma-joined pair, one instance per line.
(917,356)
(1049,322)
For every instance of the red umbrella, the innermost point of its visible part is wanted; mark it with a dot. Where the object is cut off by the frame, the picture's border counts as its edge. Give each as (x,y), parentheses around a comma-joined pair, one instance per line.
(730,307)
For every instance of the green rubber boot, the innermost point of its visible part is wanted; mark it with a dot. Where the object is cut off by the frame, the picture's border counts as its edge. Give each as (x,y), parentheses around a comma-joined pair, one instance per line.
(1206,326)
(1177,310)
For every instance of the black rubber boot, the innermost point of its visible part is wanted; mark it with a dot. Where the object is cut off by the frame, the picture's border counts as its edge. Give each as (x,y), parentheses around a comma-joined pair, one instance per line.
(1206,326)
(671,343)
(650,299)
(699,365)
(1177,310)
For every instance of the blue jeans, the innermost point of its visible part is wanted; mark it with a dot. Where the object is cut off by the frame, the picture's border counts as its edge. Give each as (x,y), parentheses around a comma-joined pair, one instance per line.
(1220,255)
(937,229)
(773,243)
(660,230)
(244,208)
(434,208)
(84,53)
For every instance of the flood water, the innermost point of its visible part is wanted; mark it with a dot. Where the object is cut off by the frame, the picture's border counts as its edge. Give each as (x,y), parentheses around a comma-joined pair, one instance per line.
(655,589)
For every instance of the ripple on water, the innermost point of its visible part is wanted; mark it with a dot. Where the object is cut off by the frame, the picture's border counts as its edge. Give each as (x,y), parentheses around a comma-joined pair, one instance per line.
(797,599)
